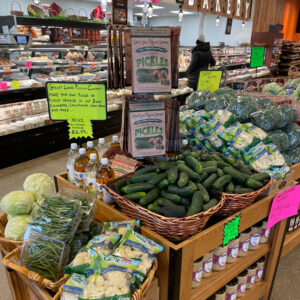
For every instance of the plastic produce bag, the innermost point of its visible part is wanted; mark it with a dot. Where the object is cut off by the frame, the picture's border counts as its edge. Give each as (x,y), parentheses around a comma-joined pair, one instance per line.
(255,131)
(280,139)
(225,117)
(74,286)
(272,88)
(121,226)
(216,102)
(287,158)
(289,112)
(293,132)
(275,157)
(294,155)
(226,91)
(263,103)
(15,227)
(198,99)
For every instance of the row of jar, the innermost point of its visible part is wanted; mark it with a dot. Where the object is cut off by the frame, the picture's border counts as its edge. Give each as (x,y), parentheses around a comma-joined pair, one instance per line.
(217,258)
(294,222)
(240,284)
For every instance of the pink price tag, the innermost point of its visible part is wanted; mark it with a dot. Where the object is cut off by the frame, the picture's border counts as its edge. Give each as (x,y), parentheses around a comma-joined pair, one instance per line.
(3,86)
(28,64)
(284,205)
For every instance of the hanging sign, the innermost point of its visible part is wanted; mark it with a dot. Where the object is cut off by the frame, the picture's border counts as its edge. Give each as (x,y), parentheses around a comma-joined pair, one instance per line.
(78,103)
(119,12)
(209,80)
(257,57)
(151,60)
(284,205)
(231,230)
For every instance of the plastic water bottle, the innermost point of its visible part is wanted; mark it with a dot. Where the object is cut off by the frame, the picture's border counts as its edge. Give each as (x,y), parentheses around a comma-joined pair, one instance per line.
(72,155)
(79,168)
(90,149)
(91,173)
(101,148)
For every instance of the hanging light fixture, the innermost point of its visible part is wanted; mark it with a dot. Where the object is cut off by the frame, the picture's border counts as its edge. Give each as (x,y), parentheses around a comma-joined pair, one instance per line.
(150,10)
(218,21)
(243,25)
(37,2)
(191,2)
(104,5)
(145,8)
(180,14)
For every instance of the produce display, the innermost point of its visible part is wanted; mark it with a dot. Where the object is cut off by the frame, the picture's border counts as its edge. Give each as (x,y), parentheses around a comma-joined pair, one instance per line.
(190,184)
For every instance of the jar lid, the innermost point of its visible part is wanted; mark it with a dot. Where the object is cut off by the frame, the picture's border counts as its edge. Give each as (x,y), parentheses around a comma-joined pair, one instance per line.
(247,230)
(233,282)
(262,259)
(221,291)
(259,224)
(253,266)
(199,259)
(243,274)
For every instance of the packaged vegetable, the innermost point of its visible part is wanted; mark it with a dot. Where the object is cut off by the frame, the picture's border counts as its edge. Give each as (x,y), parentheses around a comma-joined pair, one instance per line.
(275,157)
(226,91)
(264,102)
(293,132)
(74,286)
(18,203)
(255,131)
(272,88)
(40,183)
(278,172)
(15,227)
(294,155)
(120,227)
(279,138)
(198,99)
(104,243)
(225,117)
(289,113)
(216,102)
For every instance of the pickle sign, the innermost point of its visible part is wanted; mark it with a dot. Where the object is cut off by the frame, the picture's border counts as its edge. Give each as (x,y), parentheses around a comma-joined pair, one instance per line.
(78,104)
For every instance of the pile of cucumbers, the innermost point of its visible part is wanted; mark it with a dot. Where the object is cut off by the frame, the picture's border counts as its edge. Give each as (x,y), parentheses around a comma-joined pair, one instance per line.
(185,185)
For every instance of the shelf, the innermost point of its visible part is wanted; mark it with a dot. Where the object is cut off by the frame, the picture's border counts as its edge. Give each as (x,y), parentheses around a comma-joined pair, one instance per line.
(257,292)
(216,280)
(292,240)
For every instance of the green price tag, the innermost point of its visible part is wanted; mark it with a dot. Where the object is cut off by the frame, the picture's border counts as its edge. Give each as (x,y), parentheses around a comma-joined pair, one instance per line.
(231,230)
(209,80)
(257,57)
(78,103)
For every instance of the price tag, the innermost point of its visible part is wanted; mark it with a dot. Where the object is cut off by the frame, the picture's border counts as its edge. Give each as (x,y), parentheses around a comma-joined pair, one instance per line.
(6,69)
(209,80)
(93,64)
(3,86)
(50,63)
(28,64)
(35,84)
(231,230)
(257,57)
(15,84)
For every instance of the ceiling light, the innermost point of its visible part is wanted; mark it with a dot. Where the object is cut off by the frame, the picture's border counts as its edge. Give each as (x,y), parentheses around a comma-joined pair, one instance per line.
(150,10)
(180,14)
(154,6)
(218,21)
(141,14)
(243,25)
(36,2)
(184,12)
(191,2)
(145,8)
(104,5)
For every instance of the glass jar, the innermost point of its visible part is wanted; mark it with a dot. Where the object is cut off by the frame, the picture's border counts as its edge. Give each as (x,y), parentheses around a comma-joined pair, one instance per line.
(251,276)
(242,282)
(255,236)
(260,269)
(264,235)
(197,272)
(219,295)
(231,289)
(207,264)
(233,249)
(291,224)
(219,258)
(244,242)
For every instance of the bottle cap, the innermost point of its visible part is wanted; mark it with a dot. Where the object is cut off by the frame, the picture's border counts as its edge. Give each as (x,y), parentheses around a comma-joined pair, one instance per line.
(101,141)
(73,146)
(115,138)
(104,161)
(82,151)
(185,142)
(90,144)
(93,156)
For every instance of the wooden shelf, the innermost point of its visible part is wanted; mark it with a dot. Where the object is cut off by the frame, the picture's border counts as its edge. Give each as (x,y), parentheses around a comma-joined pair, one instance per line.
(216,280)
(256,293)
(292,240)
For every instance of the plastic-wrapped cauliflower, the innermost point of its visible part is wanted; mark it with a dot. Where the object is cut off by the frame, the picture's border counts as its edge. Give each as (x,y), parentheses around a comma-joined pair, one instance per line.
(73,288)
(120,227)
(272,88)
(16,227)
(40,183)
(18,203)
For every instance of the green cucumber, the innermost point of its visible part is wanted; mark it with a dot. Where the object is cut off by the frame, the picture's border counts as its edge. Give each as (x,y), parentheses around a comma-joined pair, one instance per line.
(185,201)
(216,157)
(207,183)
(193,185)
(206,157)
(180,162)
(241,190)
(194,154)
(142,178)
(172,175)
(204,192)
(165,165)
(253,184)
(221,181)
(119,184)
(236,175)
(242,168)
(220,172)
(194,164)
(146,169)
(230,188)
(222,164)
(170,196)
(157,179)
(184,192)
(207,164)
(192,175)
(164,202)
(183,180)
(203,176)
(163,184)
(210,170)
(229,159)
(153,207)
(150,197)
(196,204)
(210,204)
(260,177)
(137,187)
(135,196)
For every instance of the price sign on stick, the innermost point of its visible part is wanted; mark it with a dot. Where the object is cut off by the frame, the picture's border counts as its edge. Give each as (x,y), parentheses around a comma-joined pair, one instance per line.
(209,80)
(231,230)
(257,57)
(284,205)
(78,103)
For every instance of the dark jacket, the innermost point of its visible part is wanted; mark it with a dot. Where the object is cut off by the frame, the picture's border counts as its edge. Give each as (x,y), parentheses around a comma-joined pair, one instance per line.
(201,58)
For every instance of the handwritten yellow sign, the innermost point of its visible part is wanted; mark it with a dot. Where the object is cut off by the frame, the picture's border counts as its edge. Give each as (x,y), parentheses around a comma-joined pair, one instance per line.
(15,84)
(209,80)
(80,127)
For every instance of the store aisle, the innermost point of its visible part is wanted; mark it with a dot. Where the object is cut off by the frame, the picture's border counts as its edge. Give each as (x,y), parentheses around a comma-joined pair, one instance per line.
(12,178)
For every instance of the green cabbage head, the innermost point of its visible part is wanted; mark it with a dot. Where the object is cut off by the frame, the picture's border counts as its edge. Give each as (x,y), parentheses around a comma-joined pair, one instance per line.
(18,203)
(16,227)
(40,183)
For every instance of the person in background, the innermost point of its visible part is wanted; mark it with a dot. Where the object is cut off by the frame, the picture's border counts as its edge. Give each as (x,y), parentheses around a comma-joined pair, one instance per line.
(201,59)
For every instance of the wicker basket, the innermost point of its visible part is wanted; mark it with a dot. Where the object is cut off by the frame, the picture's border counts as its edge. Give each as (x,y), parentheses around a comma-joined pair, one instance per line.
(294,71)
(7,245)
(11,261)
(19,12)
(174,229)
(236,202)
(83,18)
(74,16)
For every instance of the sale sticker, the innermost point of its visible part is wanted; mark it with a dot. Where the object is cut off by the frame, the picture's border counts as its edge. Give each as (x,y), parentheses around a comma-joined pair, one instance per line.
(284,205)
(93,64)
(28,64)
(3,86)
(231,230)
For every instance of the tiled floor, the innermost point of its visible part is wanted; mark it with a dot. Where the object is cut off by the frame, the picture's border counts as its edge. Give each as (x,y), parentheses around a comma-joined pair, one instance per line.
(287,282)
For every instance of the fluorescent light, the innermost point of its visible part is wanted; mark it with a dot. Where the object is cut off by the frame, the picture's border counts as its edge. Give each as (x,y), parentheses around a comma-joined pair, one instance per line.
(243,25)
(191,2)
(184,12)
(141,14)
(150,10)
(218,21)
(154,6)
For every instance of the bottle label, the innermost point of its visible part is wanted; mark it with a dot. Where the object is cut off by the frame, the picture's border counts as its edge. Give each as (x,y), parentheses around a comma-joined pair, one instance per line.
(197,275)
(231,296)
(259,272)
(232,252)
(251,279)
(254,239)
(208,265)
(90,185)
(244,246)
(220,260)
(70,170)
(265,233)
(103,194)
(79,179)
(291,225)
(242,287)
